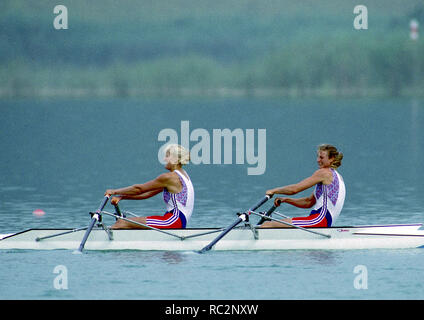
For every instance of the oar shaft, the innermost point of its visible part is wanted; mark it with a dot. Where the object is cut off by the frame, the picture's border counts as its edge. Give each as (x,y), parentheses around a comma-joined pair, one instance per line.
(103,204)
(59,234)
(268,214)
(263,200)
(142,225)
(118,211)
(229,228)
(87,233)
(292,225)
(242,217)
(96,217)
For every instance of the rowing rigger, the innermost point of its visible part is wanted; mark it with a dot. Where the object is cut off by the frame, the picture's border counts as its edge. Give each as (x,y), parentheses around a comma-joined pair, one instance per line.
(237,236)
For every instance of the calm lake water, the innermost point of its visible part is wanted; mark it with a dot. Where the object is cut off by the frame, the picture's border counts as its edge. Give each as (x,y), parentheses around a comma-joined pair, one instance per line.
(61,155)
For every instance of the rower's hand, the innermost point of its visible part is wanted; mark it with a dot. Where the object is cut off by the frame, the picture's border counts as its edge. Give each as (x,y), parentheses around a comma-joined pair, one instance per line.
(115,200)
(279,201)
(269,193)
(109,192)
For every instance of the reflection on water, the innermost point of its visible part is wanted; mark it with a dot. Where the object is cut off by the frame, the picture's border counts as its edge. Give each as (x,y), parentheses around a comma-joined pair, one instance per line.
(321,257)
(172,257)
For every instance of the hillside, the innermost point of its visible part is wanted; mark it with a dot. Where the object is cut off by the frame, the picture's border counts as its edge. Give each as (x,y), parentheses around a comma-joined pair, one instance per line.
(209,47)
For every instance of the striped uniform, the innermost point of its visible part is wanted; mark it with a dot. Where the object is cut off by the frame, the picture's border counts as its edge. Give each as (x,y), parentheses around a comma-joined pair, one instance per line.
(329,203)
(179,207)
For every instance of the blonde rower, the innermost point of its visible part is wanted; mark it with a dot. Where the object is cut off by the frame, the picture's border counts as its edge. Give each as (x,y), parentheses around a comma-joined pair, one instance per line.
(178,193)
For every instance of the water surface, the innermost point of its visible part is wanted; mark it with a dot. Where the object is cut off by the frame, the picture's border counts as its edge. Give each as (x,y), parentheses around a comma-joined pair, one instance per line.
(61,155)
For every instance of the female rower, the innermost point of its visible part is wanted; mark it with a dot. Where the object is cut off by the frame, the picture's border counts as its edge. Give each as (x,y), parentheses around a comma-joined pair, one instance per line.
(178,194)
(327,199)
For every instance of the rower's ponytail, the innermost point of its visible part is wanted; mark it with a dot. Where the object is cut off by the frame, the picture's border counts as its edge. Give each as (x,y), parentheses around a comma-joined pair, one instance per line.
(332,153)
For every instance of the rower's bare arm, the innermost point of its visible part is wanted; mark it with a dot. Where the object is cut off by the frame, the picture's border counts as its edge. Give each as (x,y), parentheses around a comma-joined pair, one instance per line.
(305,203)
(162,181)
(307,183)
(144,195)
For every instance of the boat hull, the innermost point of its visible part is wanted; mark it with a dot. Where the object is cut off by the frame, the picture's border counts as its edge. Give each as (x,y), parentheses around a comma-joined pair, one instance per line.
(342,238)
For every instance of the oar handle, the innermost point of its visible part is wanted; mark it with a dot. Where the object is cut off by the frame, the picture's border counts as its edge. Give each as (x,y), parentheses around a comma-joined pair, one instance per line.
(118,211)
(268,213)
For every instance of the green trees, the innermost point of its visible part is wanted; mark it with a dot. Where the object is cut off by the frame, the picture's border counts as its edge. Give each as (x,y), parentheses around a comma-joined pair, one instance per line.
(229,47)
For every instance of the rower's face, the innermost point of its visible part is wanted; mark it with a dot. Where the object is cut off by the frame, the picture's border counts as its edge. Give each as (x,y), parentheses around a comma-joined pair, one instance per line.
(169,161)
(323,160)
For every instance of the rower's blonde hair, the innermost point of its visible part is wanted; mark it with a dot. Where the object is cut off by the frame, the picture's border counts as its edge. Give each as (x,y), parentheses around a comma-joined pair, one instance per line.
(332,153)
(178,154)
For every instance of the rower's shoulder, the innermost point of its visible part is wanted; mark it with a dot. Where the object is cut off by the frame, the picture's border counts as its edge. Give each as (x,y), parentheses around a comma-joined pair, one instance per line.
(324,174)
(166,176)
(182,172)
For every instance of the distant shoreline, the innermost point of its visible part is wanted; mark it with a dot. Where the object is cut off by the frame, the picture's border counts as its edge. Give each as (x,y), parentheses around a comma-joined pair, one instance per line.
(7,93)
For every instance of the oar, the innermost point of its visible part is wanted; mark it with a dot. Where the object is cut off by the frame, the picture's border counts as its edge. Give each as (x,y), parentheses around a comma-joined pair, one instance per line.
(268,213)
(59,234)
(242,217)
(118,212)
(292,225)
(95,217)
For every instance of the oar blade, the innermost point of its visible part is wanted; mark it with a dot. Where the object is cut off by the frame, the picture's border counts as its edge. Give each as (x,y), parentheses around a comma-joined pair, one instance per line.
(87,233)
